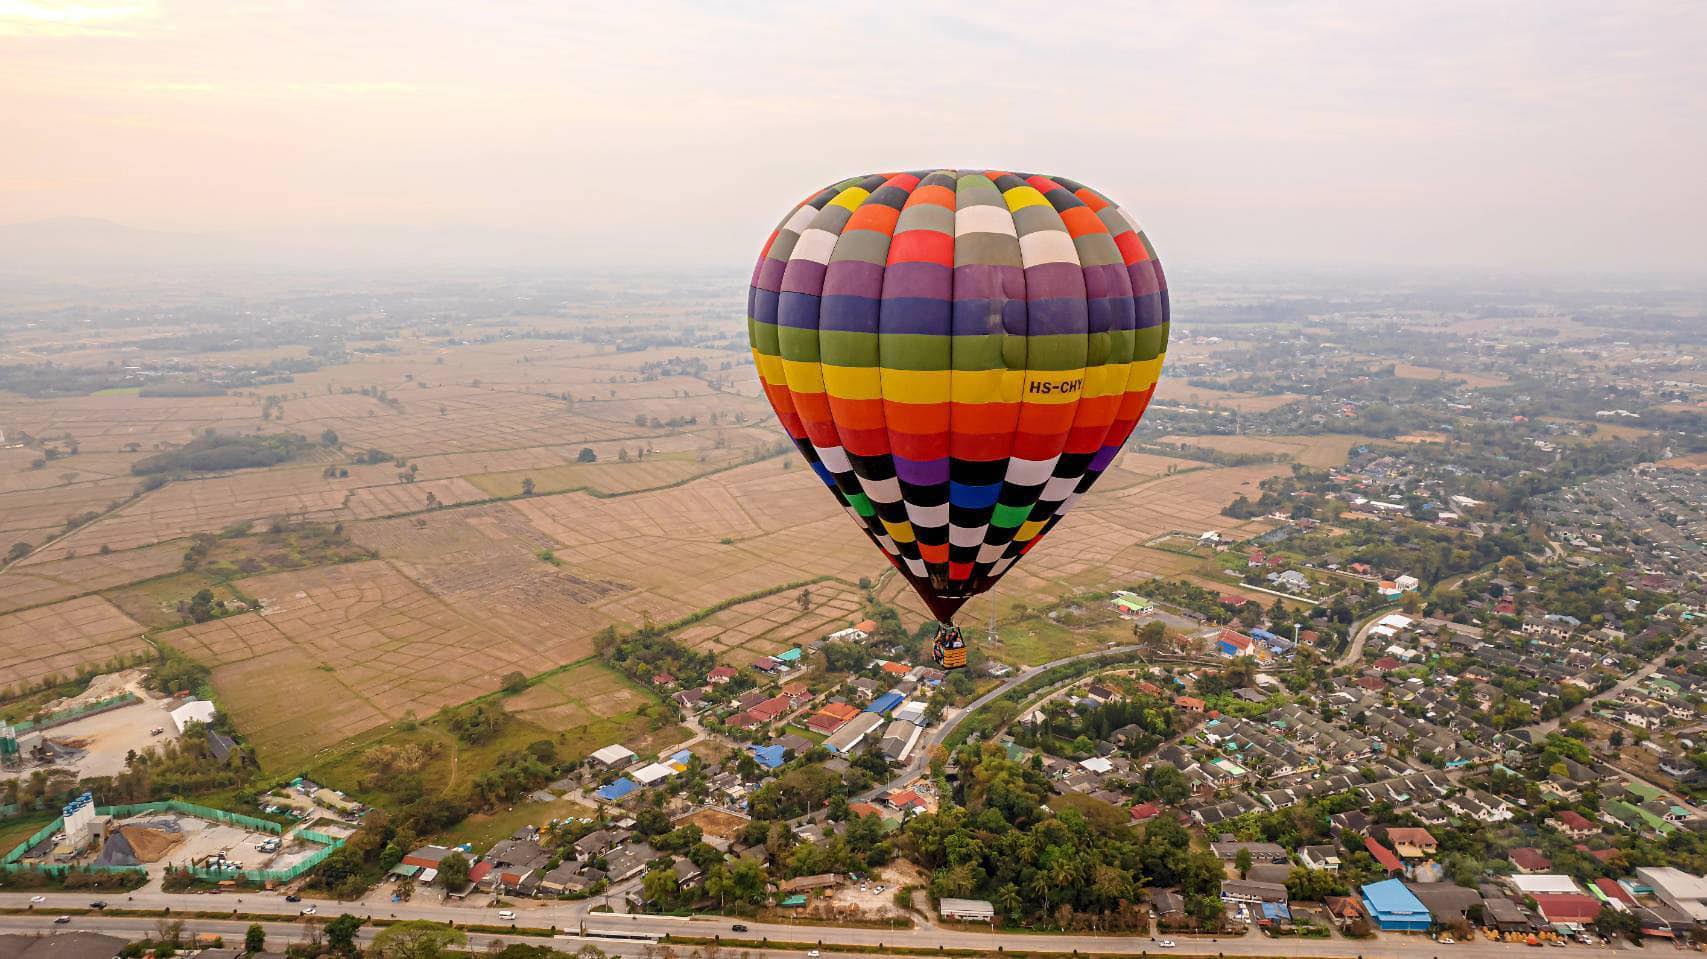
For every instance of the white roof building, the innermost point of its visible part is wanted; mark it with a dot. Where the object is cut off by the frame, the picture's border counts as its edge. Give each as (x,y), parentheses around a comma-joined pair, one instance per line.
(1545,882)
(1096,764)
(911,711)
(1678,889)
(614,755)
(652,774)
(966,910)
(194,711)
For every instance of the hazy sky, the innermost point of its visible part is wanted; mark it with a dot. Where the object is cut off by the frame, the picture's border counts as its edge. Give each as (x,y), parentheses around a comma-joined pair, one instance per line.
(1555,135)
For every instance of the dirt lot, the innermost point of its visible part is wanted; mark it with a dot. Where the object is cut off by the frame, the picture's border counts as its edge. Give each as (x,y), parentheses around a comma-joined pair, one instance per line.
(107,737)
(715,822)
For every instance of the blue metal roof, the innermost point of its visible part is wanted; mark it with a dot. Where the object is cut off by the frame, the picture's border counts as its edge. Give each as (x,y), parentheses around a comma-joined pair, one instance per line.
(884,703)
(1390,899)
(616,790)
(770,757)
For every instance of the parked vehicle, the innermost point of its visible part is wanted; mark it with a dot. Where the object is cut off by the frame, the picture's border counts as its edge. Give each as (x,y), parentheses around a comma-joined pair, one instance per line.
(508,915)
(738,927)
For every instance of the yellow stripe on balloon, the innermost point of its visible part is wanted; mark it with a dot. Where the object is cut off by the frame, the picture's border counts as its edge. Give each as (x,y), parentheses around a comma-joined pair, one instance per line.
(804,376)
(1053,387)
(851,198)
(770,369)
(901,532)
(1028,530)
(1021,197)
(854,382)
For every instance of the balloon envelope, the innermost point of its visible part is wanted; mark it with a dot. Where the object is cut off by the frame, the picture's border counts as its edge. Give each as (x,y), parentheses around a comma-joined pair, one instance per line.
(959,355)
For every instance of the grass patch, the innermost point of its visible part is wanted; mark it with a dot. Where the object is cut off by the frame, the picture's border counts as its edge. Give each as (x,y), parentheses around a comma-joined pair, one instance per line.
(1036,640)
(14,831)
(481,830)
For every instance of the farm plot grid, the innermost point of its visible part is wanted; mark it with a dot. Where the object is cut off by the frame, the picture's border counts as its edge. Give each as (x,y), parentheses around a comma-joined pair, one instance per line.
(36,585)
(761,627)
(337,651)
(59,639)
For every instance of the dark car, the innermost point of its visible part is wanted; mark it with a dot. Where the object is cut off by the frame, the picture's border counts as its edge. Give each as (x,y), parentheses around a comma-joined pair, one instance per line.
(738,927)
(293,898)
(98,904)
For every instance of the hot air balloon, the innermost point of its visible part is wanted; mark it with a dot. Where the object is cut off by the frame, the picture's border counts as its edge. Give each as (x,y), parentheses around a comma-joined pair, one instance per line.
(958,354)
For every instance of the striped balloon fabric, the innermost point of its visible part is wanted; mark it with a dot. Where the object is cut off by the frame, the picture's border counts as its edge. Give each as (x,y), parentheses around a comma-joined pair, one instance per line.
(959,355)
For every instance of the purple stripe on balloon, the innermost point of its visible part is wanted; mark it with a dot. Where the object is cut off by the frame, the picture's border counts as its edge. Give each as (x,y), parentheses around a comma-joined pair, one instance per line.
(803,276)
(1152,310)
(915,315)
(922,473)
(854,278)
(1104,457)
(770,274)
(907,280)
(983,317)
(798,310)
(1052,280)
(762,305)
(1146,279)
(987,281)
(1110,279)
(1059,315)
(849,314)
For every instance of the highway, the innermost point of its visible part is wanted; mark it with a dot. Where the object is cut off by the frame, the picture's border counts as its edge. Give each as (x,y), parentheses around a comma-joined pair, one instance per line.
(855,941)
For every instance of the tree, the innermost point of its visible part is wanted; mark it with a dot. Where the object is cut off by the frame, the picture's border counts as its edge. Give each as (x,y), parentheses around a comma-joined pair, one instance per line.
(804,599)
(453,871)
(329,438)
(341,933)
(515,681)
(527,486)
(1242,862)
(659,886)
(586,455)
(417,939)
(1152,633)
(255,939)
(18,551)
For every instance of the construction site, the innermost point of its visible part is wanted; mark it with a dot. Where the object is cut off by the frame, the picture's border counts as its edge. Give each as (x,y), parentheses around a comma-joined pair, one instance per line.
(154,838)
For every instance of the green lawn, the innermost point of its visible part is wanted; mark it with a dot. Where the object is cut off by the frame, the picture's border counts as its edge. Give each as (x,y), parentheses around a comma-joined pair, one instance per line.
(481,830)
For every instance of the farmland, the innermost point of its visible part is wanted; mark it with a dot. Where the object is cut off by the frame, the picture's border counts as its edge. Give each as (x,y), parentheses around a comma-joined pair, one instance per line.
(486,497)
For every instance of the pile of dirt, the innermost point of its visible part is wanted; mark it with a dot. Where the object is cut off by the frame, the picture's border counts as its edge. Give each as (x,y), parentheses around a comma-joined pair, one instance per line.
(144,842)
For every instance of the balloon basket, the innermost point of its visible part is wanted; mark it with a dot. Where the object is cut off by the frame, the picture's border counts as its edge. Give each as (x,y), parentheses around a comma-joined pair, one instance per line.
(949,649)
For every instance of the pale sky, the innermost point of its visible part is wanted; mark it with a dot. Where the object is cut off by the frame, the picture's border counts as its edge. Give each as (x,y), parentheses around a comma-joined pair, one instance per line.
(1568,136)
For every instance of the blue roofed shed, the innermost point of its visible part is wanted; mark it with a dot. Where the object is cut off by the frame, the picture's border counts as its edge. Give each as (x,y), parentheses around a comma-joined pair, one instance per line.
(611,792)
(1394,908)
(790,656)
(770,757)
(884,703)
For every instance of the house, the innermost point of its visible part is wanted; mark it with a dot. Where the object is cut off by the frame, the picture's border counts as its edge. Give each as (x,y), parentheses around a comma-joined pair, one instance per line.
(905,801)
(1343,909)
(597,843)
(1387,859)
(1530,860)
(1246,890)
(847,739)
(1567,908)
(720,675)
(663,679)
(966,910)
(1190,704)
(1145,811)
(1394,908)
(1324,857)
(687,874)
(426,857)
(831,718)
(864,688)
(1573,824)
(1412,843)
(1227,850)
(1232,644)
(692,699)
(626,862)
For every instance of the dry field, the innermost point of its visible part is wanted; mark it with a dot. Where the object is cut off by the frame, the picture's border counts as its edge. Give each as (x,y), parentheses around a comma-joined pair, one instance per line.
(340,650)
(1177,390)
(57,640)
(42,583)
(715,822)
(748,631)
(1410,371)
(1328,449)
(1694,461)
(569,697)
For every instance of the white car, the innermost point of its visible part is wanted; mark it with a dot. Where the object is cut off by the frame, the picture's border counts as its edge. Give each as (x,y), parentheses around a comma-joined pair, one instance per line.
(1165,943)
(508,915)
(308,910)
(38,899)
(811,954)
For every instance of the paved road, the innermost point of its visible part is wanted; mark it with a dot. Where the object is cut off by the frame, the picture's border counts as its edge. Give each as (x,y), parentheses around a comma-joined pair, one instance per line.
(939,733)
(287,928)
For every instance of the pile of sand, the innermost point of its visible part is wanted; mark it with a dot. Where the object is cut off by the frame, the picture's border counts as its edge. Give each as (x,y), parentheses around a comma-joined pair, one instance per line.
(139,843)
